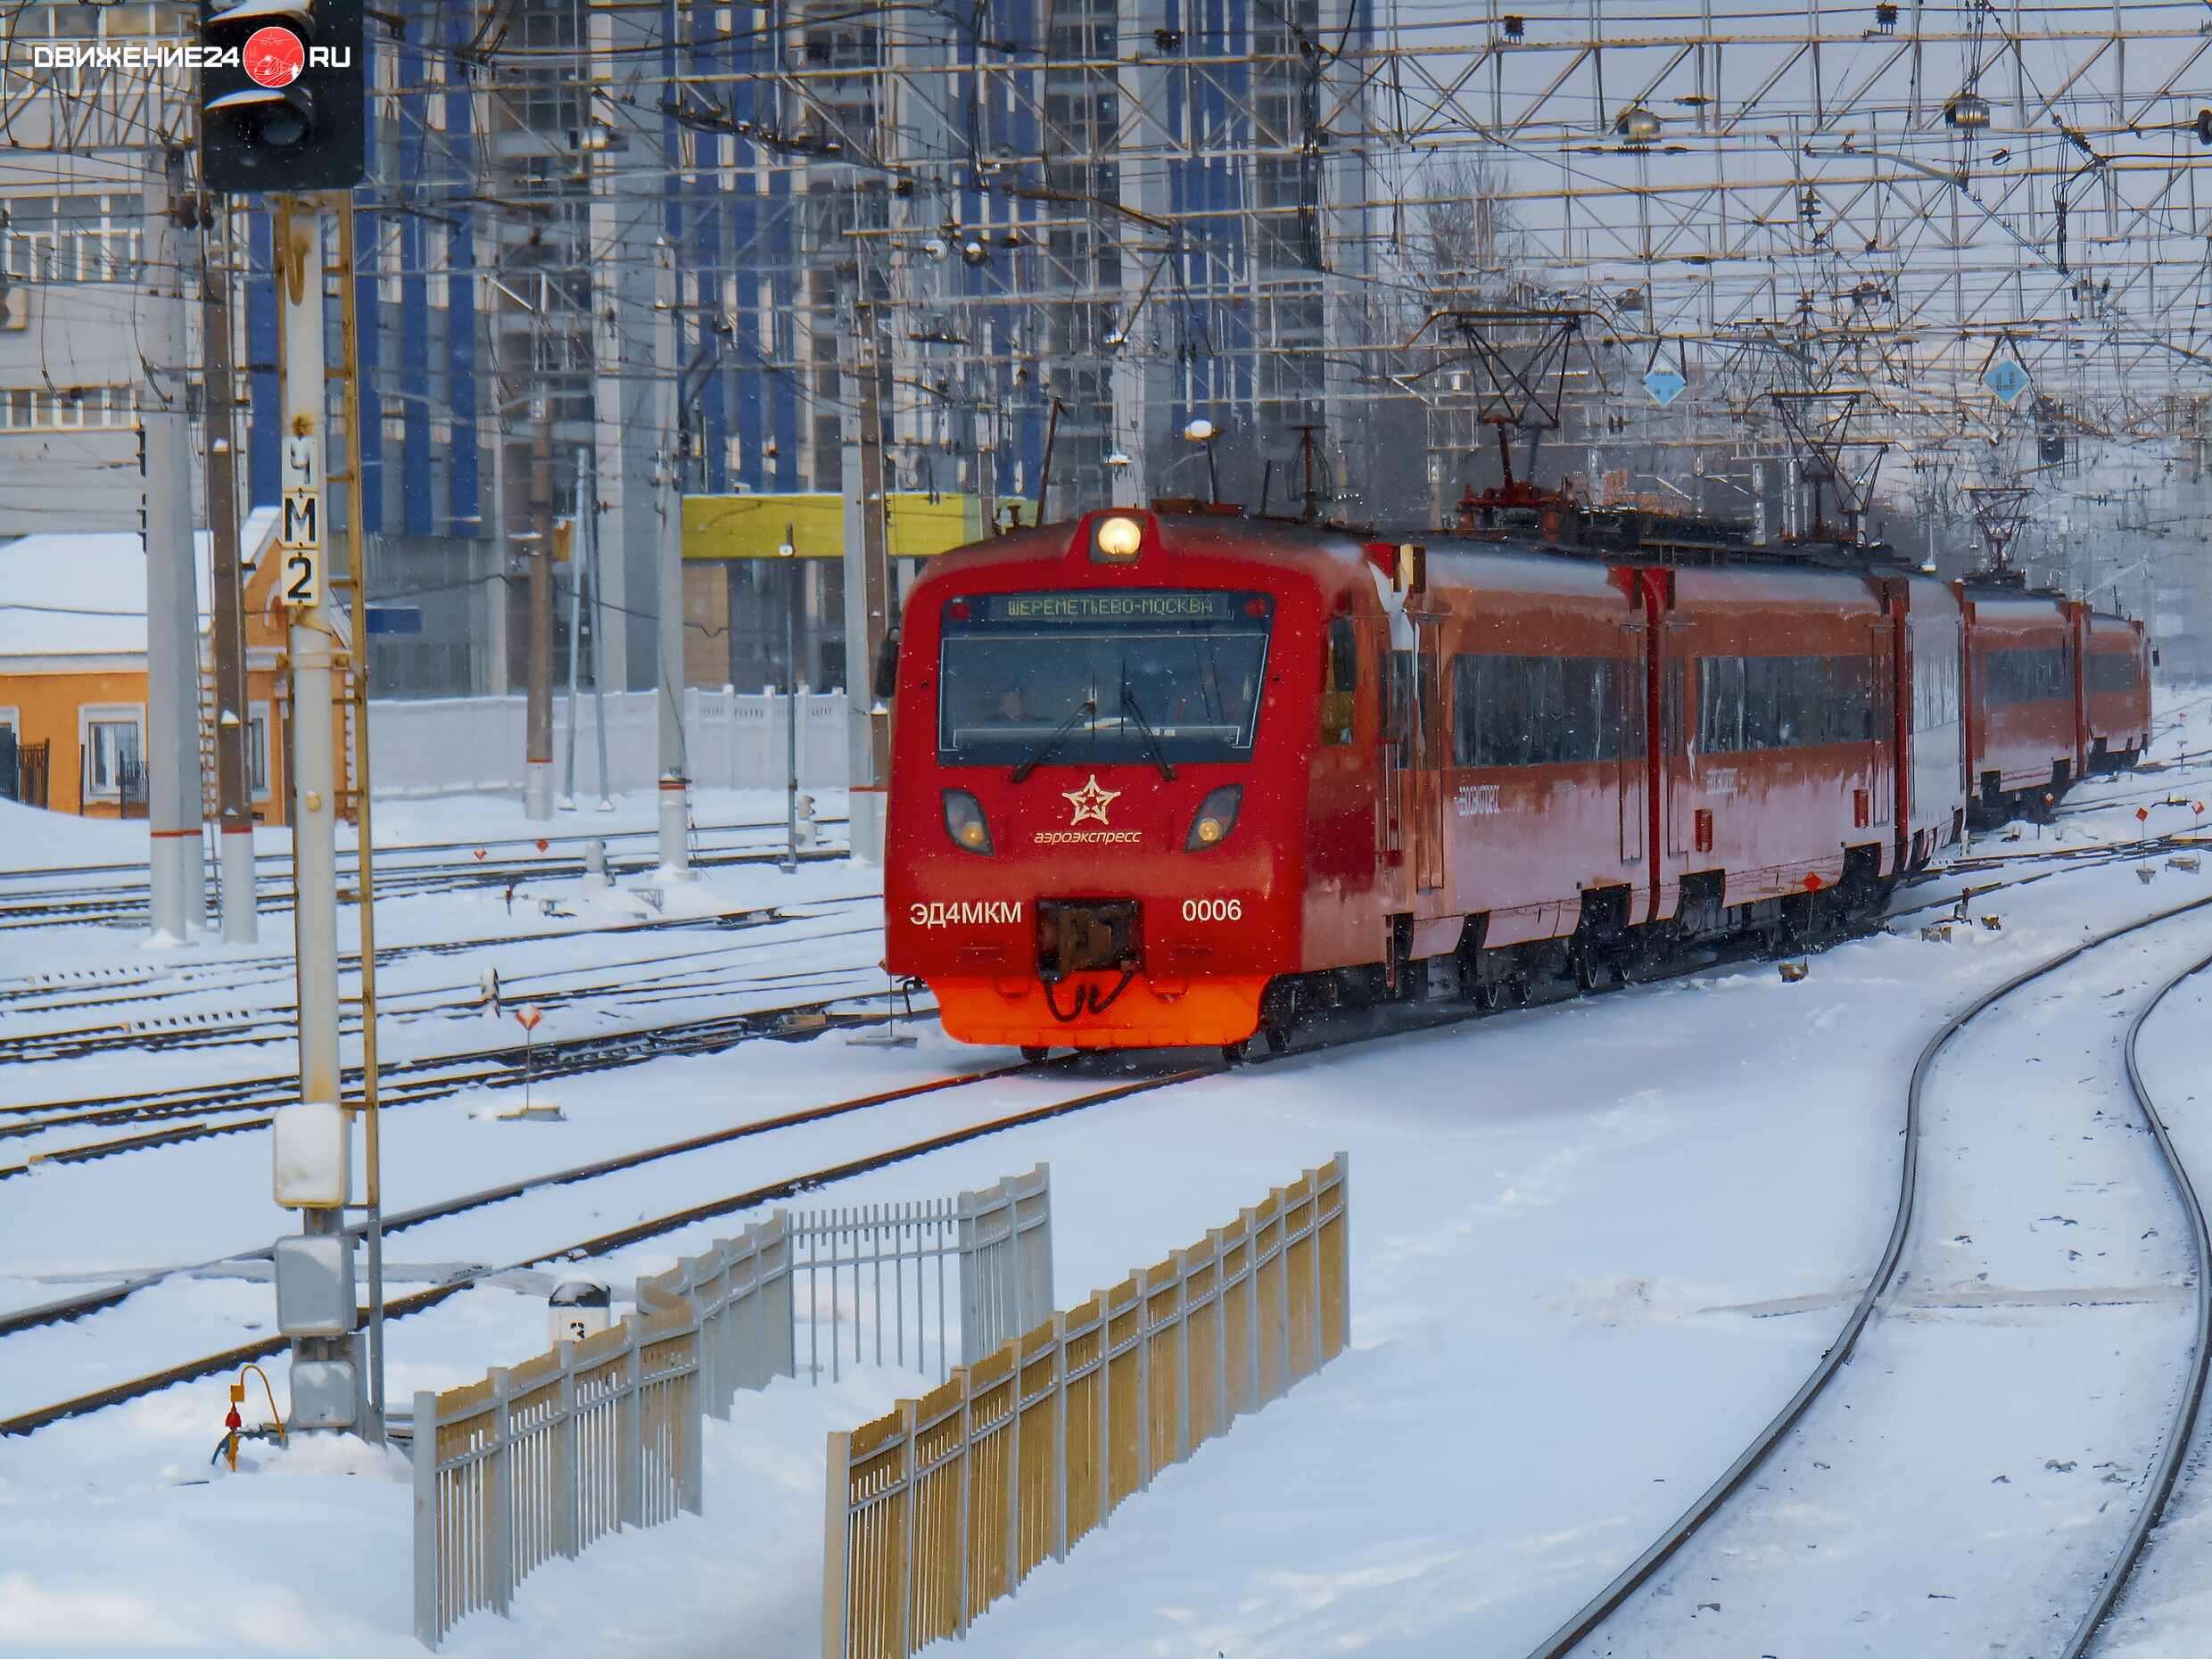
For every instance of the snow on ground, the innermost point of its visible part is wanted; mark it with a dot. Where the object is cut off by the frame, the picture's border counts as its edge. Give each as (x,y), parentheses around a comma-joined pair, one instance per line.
(2168,1602)
(2000,1410)
(1594,1246)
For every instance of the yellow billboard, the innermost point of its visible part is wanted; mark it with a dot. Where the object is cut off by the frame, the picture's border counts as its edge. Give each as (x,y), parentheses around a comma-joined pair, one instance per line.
(754,527)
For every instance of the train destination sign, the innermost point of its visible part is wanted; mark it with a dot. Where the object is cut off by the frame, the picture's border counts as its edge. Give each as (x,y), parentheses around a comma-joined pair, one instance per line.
(1078,608)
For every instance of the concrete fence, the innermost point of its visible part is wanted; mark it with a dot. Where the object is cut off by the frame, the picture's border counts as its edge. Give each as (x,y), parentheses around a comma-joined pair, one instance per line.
(474,745)
(945,1505)
(543,1459)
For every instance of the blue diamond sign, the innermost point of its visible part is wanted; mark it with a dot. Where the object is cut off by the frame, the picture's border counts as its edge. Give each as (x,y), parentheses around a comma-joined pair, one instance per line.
(1664,385)
(2008,379)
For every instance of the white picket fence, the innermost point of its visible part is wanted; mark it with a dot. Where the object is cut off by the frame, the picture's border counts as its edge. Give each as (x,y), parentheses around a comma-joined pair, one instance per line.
(474,745)
(545,1458)
(875,1280)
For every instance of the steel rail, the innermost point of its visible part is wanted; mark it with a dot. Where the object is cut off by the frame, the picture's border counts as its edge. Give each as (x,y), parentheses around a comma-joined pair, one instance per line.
(400,849)
(1595,1612)
(569,1057)
(26,1423)
(426,882)
(107,1295)
(2182,1432)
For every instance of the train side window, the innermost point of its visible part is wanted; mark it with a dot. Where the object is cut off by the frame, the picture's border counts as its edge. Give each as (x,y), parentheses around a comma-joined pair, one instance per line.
(1673,686)
(1340,680)
(1540,711)
(1720,704)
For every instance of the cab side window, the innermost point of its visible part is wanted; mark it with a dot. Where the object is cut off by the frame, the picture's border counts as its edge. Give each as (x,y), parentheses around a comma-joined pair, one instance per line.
(1340,680)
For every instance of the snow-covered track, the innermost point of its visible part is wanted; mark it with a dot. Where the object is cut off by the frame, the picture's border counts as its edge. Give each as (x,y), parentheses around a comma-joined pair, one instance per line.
(128,902)
(403,1083)
(419,1301)
(2189,1399)
(1594,1613)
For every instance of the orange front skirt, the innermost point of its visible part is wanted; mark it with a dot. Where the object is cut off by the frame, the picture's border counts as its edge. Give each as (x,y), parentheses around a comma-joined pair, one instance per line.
(1210,1013)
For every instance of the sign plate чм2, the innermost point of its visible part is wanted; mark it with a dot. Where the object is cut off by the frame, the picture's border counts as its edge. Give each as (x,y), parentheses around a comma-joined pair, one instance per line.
(300,540)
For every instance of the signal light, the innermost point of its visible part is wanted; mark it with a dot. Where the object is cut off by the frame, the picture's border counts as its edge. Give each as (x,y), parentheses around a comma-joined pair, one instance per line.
(288,109)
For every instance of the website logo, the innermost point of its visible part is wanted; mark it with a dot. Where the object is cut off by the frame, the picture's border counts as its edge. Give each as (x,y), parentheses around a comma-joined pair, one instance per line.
(272,57)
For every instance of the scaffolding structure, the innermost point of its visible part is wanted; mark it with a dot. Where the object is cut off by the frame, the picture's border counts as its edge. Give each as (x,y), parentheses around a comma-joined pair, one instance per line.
(1330,229)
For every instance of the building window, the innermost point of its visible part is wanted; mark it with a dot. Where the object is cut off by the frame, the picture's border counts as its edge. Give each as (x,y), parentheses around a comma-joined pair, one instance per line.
(111,740)
(257,751)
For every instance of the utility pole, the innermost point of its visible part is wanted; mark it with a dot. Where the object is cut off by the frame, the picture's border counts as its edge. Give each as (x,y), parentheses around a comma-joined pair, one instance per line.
(175,798)
(787,555)
(675,848)
(867,584)
(234,777)
(315,1301)
(575,623)
(538,724)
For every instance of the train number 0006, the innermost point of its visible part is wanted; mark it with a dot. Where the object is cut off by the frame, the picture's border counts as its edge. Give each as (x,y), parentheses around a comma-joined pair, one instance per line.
(1213,910)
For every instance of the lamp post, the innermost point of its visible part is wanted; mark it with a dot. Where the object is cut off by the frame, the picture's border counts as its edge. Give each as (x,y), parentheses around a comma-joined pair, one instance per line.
(1201,432)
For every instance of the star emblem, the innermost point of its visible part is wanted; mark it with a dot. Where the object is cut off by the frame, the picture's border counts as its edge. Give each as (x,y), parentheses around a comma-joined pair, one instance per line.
(1090,801)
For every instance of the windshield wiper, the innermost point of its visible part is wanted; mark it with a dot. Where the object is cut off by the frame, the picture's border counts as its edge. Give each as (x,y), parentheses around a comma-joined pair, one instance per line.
(1151,740)
(1043,751)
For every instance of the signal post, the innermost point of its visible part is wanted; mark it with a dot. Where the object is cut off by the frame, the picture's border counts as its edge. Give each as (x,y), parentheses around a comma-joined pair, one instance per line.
(289,121)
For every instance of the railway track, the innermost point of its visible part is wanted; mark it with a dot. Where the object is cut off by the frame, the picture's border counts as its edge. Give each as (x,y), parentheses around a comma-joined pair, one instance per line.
(1594,1615)
(406,1083)
(233,1027)
(243,972)
(419,1301)
(102,905)
(436,1077)
(94,1301)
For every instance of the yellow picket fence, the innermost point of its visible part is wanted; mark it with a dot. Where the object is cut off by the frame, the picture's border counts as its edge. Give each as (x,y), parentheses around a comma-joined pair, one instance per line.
(945,1505)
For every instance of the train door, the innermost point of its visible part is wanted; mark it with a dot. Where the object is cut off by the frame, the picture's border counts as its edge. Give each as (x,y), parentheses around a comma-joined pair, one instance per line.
(1395,698)
(1882,721)
(1674,716)
(1631,677)
(1428,774)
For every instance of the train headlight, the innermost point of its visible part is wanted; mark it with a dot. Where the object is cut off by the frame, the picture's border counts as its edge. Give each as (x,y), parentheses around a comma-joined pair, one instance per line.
(1117,538)
(965,824)
(1216,816)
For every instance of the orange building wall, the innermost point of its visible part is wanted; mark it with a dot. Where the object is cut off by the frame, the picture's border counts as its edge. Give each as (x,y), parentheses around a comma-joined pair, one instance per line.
(45,709)
(48,708)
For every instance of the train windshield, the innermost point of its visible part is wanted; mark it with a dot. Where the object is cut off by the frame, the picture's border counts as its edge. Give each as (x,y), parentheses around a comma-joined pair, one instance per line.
(1100,676)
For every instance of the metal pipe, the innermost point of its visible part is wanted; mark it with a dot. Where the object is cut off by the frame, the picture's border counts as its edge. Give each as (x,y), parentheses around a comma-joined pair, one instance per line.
(365,858)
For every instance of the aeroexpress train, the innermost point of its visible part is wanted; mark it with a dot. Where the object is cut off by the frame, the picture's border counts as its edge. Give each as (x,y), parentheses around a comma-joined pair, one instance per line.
(1177,776)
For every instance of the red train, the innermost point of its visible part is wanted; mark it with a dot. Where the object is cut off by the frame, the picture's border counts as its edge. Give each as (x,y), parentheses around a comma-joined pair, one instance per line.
(1173,777)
